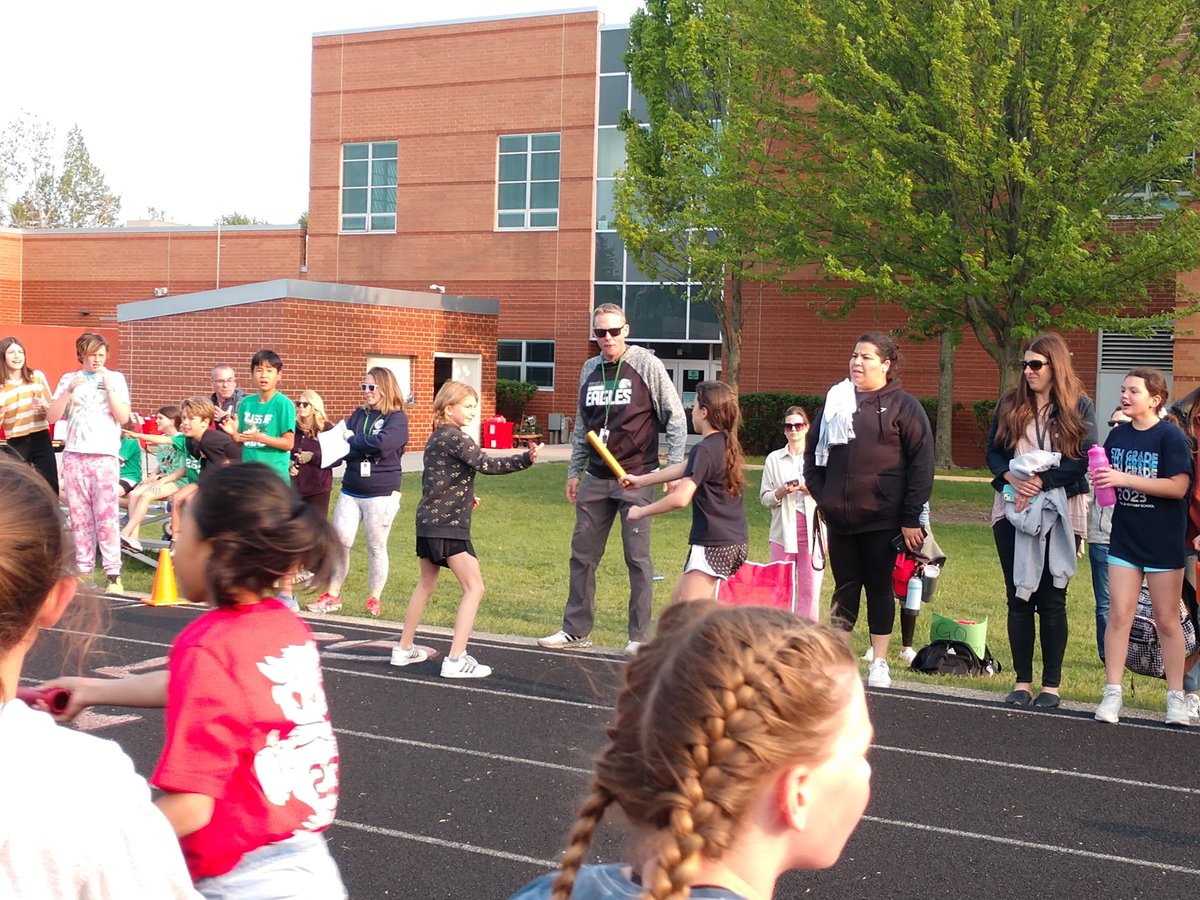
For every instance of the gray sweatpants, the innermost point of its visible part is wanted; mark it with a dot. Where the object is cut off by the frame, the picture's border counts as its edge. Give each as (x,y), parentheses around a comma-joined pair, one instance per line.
(597,504)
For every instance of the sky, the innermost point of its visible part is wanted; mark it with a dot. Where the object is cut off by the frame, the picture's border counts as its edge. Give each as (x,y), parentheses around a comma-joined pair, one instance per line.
(201,110)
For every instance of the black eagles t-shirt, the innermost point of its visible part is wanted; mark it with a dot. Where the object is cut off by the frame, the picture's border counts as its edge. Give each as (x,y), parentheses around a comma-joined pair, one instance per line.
(616,393)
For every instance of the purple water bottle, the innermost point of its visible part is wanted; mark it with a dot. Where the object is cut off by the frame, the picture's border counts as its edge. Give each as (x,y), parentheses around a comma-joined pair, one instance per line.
(1105,496)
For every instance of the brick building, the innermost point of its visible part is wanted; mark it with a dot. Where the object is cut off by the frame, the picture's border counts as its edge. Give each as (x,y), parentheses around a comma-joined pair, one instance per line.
(477,156)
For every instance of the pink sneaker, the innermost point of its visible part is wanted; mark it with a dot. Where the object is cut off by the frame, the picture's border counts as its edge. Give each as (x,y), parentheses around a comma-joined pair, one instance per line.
(374,607)
(326,603)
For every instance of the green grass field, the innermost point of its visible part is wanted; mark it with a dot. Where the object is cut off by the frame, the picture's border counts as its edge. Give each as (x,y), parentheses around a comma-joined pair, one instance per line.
(522,532)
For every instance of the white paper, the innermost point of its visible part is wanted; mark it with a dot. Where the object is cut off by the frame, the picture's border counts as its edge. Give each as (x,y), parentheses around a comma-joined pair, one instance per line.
(334,445)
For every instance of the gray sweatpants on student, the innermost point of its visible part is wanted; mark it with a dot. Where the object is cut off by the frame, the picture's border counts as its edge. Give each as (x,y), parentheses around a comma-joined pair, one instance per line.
(596,506)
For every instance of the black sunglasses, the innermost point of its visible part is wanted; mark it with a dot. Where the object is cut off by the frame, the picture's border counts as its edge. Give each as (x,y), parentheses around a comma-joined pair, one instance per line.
(611,332)
(369,388)
(302,404)
(1035,364)
(794,426)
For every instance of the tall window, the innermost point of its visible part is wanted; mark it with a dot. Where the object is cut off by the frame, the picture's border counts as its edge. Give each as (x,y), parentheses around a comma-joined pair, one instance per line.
(531,361)
(369,186)
(527,185)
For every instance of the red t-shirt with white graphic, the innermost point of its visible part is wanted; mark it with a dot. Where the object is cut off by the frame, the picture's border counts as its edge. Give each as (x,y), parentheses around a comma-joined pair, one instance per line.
(248,725)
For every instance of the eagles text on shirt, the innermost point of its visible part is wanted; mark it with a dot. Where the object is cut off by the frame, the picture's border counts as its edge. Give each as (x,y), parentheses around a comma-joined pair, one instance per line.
(601,394)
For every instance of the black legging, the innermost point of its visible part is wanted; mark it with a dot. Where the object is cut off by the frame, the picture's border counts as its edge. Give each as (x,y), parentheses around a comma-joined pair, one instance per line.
(1049,601)
(858,561)
(37,450)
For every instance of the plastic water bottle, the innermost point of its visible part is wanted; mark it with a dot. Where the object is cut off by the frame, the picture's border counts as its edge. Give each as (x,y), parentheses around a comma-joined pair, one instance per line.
(912,596)
(1097,458)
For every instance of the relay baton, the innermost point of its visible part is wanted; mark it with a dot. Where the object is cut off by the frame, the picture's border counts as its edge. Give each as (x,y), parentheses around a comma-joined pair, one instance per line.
(609,459)
(55,698)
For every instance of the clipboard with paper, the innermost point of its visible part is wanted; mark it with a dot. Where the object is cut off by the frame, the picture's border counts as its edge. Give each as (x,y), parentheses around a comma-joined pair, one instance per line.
(334,445)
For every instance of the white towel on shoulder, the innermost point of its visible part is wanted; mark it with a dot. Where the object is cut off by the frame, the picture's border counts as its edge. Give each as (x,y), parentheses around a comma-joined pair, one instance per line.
(837,421)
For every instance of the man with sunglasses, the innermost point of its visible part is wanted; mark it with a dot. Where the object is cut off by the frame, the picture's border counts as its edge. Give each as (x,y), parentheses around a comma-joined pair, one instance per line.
(626,397)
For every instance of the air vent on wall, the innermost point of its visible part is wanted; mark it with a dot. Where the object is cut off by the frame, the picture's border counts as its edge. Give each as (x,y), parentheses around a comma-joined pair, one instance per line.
(1121,352)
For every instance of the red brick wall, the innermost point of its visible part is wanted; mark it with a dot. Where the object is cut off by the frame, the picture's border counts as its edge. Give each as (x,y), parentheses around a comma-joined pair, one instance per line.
(323,345)
(10,276)
(68,274)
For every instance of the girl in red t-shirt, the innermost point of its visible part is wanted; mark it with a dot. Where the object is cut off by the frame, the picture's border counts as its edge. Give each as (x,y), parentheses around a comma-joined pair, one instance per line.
(250,763)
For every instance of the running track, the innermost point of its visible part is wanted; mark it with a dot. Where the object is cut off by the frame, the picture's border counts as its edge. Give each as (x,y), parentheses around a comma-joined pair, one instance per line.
(453,788)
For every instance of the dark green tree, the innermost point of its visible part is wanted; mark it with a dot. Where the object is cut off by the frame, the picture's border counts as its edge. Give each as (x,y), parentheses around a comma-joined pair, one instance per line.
(73,195)
(238,218)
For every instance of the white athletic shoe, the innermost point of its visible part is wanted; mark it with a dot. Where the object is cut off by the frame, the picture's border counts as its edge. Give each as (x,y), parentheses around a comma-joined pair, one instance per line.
(632,647)
(1177,709)
(869,655)
(878,674)
(560,640)
(1193,702)
(1109,709)
(907,655)
(464,667)
(402,657)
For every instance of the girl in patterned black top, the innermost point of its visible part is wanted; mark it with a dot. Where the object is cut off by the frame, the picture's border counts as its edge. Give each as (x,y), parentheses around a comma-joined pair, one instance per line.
(444,525)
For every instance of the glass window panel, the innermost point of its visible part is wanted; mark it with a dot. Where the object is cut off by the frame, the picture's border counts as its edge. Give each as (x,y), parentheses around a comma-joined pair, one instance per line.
(614,97)
(550,141)
(703,325)
(543,220)
(539,351)
(354,223)
(610,152)
(542,376)
(512,196)
(512,373)
(354,151)
(354,174)
(637,106)
(514,143)
(512,220)
(657,311)
(383,200)
(604,204)
(384,150)
(609,256)
(543,195)
(508,351)
(383,172)
(613,44)
(383,223)
(544,167)
(636,272)
(606,293)
(354,200)
(512,167)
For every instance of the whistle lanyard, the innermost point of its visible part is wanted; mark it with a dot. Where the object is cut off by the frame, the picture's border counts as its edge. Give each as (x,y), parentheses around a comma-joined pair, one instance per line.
(609,392)
(1037,428)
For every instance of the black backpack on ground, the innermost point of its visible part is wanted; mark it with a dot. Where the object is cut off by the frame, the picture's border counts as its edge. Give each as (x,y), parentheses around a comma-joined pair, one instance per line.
(954,658)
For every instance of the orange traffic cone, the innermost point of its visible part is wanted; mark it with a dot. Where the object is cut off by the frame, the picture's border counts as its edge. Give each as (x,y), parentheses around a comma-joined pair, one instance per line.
(164,592)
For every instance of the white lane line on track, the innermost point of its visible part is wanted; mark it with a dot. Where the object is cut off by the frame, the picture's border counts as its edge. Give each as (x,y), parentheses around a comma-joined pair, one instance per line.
(446,684)
(483,754)
(450,845)
(1032,845)
(997,706)
(1045,770)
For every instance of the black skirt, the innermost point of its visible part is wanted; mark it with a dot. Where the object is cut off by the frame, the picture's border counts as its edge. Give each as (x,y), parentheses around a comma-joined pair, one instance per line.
(439,550)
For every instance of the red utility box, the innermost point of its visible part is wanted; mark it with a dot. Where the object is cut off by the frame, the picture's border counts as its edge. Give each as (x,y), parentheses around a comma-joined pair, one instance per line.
(497,434)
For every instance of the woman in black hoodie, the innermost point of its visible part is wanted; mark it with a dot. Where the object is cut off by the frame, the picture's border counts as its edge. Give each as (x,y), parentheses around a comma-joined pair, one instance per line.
(870,469)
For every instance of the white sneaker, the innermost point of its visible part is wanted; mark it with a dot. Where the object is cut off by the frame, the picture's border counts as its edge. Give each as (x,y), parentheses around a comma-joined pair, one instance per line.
(869,655)
(1109,709)
(402,657)
(907,655)
(878,674)
(1193,702)
(560,640)
(632,647)
(464,667)
(1177,709)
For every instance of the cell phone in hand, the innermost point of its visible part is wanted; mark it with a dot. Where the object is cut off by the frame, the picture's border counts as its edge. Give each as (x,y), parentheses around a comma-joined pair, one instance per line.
(795,482)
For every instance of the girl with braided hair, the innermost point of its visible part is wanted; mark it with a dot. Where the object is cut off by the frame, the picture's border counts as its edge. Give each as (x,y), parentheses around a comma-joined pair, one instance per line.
(738,752)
